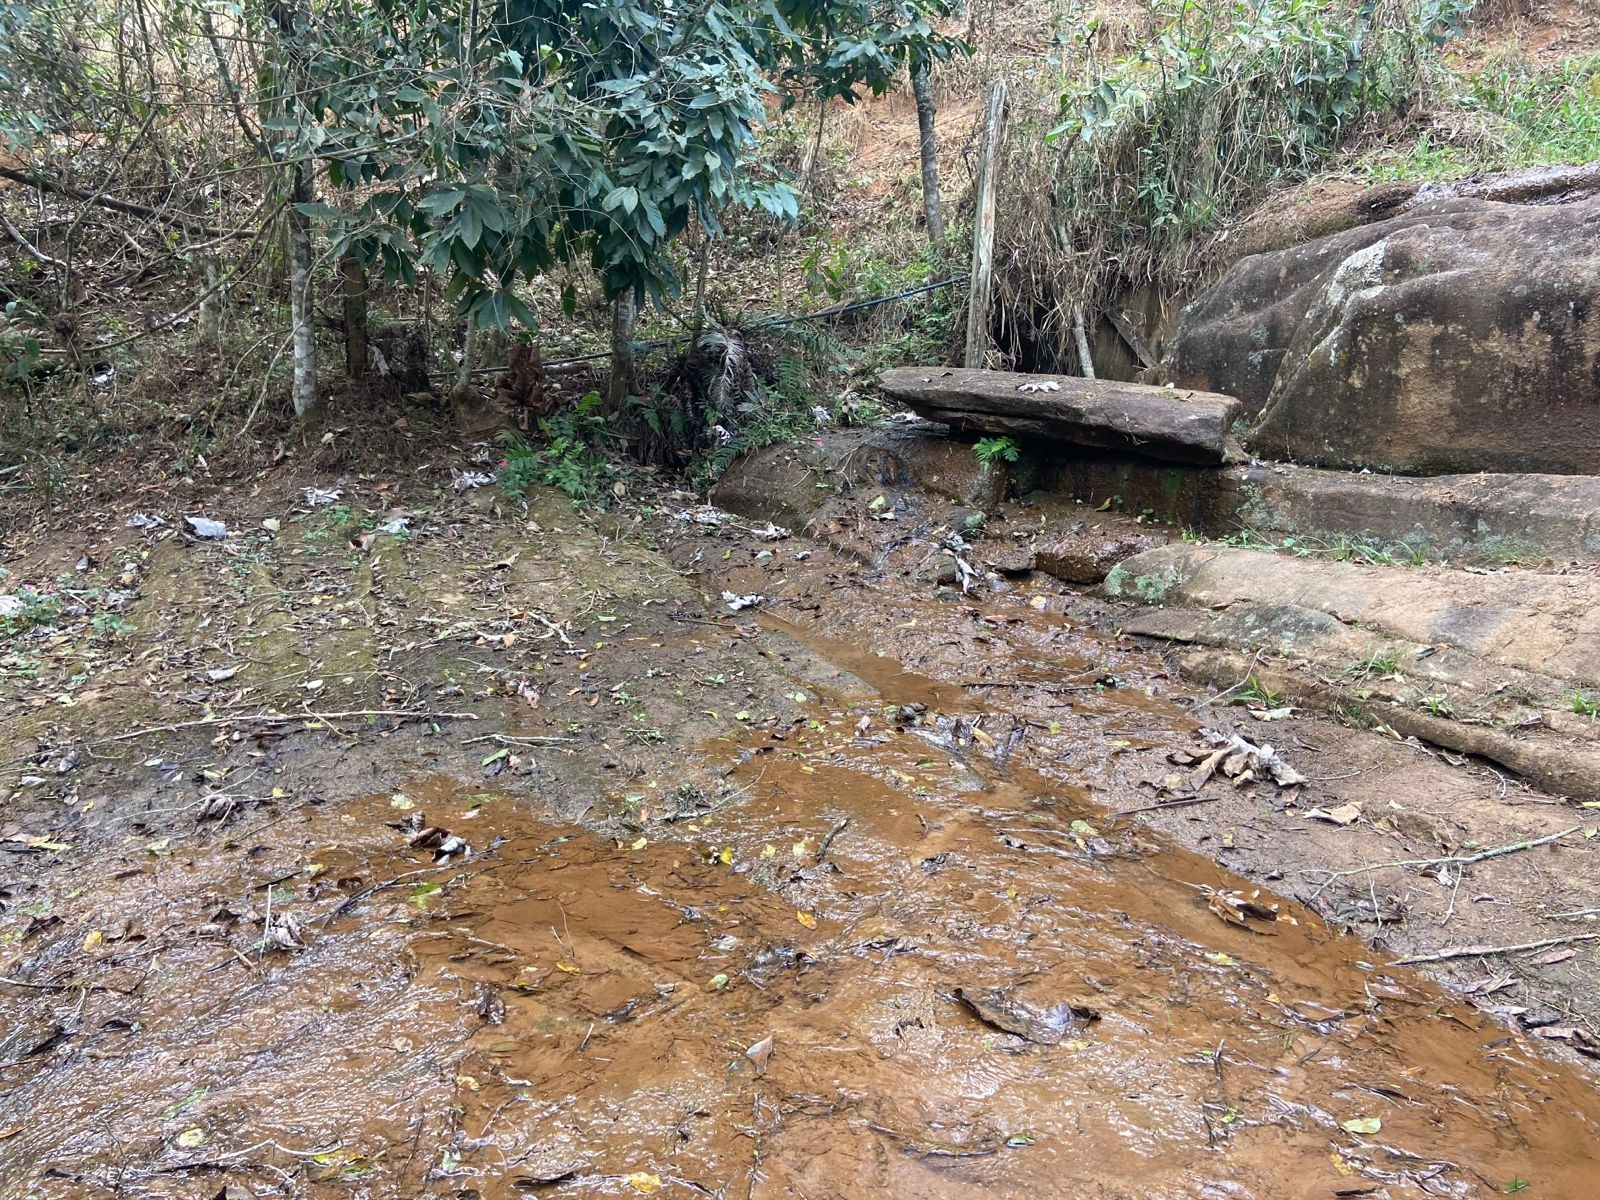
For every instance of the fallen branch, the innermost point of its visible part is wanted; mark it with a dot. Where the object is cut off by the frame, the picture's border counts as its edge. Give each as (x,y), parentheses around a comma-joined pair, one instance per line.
(284,718)
(1178,802)
(506,739)
(1474,951)
(168,217)
(28,248)
(1450,860)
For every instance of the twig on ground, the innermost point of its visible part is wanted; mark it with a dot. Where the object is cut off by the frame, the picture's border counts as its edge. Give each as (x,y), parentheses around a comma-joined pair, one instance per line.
(506,739)
(1248,675)
(1449,859)
(827,840)
(1176,802)
(1474,951)
(284,718)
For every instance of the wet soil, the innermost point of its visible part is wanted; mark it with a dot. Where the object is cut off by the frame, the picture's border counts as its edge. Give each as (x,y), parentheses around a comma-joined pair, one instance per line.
(825,897)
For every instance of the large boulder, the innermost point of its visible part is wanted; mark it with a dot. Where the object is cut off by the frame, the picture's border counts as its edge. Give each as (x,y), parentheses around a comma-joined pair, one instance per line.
(1462,336)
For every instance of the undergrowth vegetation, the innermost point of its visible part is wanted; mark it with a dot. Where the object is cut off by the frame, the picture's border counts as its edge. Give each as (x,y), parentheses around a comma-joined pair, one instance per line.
(1150,156)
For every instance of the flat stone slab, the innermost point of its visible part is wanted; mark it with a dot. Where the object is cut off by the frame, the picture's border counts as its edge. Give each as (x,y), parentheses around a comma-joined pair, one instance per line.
(1523,620)
(1174,424)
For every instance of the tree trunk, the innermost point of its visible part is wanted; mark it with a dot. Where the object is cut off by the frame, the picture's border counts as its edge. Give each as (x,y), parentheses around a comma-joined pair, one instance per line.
(210,315)
(302,313)
(931,210)
(704,257)
(469,355)
(1079,335)
(622,365)
(808,165)
(353,289)
(983,229)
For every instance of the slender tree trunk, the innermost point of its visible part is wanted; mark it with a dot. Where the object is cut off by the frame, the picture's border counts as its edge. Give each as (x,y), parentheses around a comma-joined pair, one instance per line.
(353,291)
(1079,335)
(210,315)
(469,360)
(932,210)
(978,297)
(622,366)
(700,282)
(808,166)
(302,313)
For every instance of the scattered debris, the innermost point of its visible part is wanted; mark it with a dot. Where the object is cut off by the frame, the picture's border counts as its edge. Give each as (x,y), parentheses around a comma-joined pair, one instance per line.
(737,603)
(143,521)
(1049,385)
(1242,761)
(1344,814)
(316,497)
(465,481)
(205,527)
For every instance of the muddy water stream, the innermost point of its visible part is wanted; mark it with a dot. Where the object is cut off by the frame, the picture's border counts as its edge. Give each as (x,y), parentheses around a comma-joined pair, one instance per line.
(893,968)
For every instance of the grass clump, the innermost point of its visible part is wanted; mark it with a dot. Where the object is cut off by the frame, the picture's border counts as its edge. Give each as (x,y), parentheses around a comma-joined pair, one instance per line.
(1153,153)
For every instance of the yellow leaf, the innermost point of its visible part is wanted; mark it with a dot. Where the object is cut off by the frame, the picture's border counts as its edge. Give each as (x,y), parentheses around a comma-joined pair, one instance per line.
(640,844)
(1340,1165)
(980,736)
(769,850)
(806,919)
(468,1082)
(726,857)
(159,846)
(93,940)
(643,1181)
(1222,960)
(44,843)
(801,848)
(561,966)
(190,1138)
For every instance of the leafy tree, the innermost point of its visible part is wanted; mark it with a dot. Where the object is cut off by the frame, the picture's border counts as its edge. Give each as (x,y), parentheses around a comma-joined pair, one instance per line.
(492,144)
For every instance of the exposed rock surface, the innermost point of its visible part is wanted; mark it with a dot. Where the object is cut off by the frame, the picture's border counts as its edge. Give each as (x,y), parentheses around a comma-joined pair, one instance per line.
(1461,336)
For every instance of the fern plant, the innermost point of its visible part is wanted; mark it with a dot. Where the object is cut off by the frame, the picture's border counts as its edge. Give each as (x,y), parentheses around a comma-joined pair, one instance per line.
(994,450)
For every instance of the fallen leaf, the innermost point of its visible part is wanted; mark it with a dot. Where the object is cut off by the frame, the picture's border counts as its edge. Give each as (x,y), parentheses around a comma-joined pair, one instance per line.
(561,966)
(190,1138)
(806,919)
(93,940)
(1555,956)
(1361,1125)
(760,1054)
(643,1181)
(1345,814)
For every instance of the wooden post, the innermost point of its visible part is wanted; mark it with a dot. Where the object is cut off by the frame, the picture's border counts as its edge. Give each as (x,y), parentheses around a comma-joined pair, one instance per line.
(983,229)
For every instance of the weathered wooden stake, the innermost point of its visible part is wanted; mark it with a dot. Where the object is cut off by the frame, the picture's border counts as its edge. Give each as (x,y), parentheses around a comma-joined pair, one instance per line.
(978,296)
